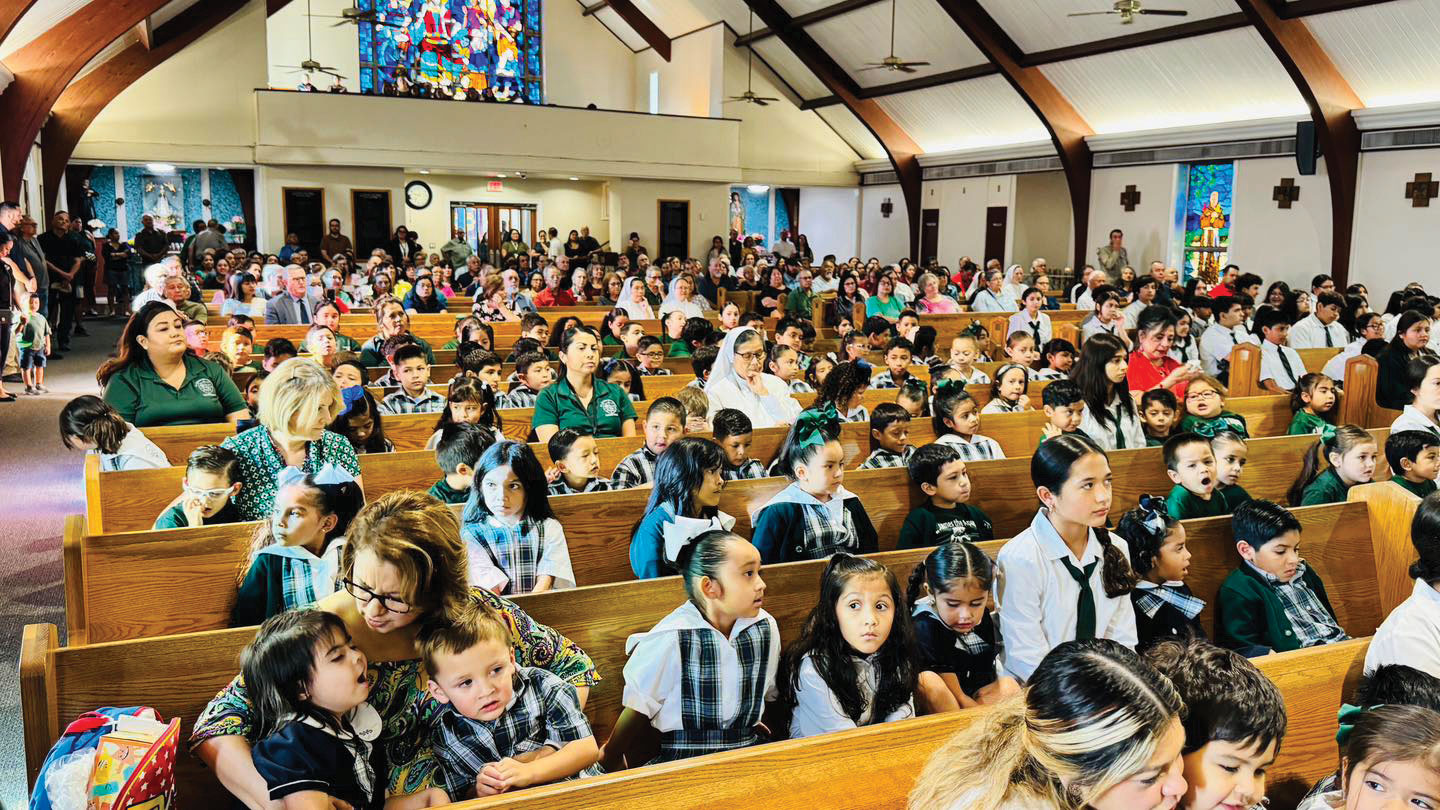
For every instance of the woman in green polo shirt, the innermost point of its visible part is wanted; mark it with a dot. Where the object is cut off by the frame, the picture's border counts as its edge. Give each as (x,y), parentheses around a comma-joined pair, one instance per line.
(578,399)
(154,381)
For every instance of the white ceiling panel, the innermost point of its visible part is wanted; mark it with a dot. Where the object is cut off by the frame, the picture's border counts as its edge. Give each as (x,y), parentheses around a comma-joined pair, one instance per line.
(967,115)
(40,18)
(1176,84)
(1386,52)
(923,32)
(850,130)
(619,28)
(734,12)
(674,17)
(1039,25)
(784,62)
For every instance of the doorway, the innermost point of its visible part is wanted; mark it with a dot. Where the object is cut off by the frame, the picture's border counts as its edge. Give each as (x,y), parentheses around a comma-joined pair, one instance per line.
(995,222)
(486,225)
(674,228)
(929,235)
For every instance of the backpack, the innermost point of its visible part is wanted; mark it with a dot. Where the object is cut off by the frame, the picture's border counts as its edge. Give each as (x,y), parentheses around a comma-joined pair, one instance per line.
(72,758)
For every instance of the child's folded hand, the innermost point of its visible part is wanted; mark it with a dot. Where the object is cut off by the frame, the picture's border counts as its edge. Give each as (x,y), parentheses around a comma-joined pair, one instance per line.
(552,474)
(514,772)
(489,781)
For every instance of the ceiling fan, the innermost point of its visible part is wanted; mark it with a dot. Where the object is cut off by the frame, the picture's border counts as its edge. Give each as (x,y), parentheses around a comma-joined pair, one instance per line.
(893,62)
(357,15)
(1127,9)
(749,96)
(309,65)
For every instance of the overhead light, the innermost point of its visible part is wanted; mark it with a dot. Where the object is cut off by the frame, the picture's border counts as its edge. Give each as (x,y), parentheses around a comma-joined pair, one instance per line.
(160,168)
(574,178)
(757,189)
(424,171)
(502,174)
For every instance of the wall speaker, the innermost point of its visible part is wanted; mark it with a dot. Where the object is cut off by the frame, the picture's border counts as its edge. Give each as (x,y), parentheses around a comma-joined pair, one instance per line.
(1305,149)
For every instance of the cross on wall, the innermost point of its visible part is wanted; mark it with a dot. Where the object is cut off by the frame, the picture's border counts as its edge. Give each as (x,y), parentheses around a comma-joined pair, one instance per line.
(1130,198)
(1422,190)
(1286,193)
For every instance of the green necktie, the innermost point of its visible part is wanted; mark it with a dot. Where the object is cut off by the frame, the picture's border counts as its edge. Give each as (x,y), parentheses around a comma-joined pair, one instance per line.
(1119,428)
(1085,605)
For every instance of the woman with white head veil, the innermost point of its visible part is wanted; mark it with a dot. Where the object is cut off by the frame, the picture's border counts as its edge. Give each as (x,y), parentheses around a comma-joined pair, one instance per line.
(682,297)
(1014,282)
(738,380)
(633,301)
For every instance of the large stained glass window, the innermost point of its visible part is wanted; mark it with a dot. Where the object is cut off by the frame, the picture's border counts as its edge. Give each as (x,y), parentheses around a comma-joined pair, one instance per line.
(1202,217)
(476,50)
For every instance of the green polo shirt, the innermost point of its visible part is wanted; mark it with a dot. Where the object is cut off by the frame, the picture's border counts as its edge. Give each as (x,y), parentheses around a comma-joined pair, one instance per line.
(1308,424)
(443,492)
(207,395)
(1326,488)
(1182,504)
(609,407)
(1421,490)
(678,349)
(1231,496)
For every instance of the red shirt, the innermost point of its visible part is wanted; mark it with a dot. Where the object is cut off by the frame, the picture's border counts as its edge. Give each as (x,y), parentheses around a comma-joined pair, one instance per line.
(1142,375)
(1219,290)
(559,298)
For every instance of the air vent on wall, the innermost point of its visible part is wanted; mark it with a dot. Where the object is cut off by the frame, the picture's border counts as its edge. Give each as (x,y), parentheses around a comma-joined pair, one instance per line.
(1400,139)
(1022,166)
(1274,147)
(879,179)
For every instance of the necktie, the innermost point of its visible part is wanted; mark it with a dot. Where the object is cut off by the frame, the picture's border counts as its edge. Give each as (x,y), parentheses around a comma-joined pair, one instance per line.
(1285,361)
(1233,339)
(1085,605)
(304,316)
(1329,341)
(1035,327)
(1119,428)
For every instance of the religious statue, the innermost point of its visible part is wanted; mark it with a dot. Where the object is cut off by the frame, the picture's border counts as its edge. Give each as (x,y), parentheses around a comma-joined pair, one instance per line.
(737,213)
(164,210)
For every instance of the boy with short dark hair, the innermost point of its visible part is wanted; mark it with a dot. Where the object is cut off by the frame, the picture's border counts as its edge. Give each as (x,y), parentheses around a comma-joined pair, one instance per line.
(945,516)
(889,435)
(410,370)
(898,352)
(630,338)
(1158,410)
(701,361)
(532,370)
(751,319)
(577,458)
(651,355)
(387,353)
(907,323)
(33,344)
(734,432)
(277,351)
(1190,463)
(1273,602)
(457,453)
(877,332)
(664,425)
(477,362)
(212,479)
(791,332)
(1414,457)
(1280,366)
(1064,407)
(533,325)
(501,726)
(1059,359)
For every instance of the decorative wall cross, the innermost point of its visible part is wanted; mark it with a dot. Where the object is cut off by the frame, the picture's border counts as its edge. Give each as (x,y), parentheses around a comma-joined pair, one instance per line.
(1422,190)
(1131,198)
(1286,193)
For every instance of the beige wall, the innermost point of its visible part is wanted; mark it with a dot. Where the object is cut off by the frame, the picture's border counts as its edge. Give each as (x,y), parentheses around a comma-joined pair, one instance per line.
(634,206)
(963,202)
(1394,241)
(1148,228)
(337,181)
(1041,220)
(333,46)
(561,203)
(691,82)
(885,238)
(1281,244)
(584,62)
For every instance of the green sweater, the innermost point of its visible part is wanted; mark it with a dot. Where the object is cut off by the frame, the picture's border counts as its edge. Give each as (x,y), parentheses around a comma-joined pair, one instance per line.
(1420,490)
(1308,424)
(1249,615)
(1326,488)
(1184,504)
(443,492)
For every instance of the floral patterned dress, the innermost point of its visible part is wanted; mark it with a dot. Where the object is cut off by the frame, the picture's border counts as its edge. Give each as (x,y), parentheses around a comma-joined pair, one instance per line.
(260,464)
(406,709)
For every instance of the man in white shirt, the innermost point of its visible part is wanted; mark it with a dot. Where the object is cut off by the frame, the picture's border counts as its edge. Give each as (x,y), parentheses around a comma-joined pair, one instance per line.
(1320,329)
(1093,280)
(1145,290)
(1280,366)
(825,281)
(1220,338)
(783,247)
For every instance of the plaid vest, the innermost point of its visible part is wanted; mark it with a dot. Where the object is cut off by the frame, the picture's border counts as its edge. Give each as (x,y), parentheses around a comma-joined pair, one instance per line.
(705,730)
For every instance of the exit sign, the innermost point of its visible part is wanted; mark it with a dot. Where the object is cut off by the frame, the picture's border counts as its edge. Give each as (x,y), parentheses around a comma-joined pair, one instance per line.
(495,185)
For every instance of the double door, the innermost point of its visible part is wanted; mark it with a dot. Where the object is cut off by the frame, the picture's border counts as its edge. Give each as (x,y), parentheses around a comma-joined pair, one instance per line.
(490,223)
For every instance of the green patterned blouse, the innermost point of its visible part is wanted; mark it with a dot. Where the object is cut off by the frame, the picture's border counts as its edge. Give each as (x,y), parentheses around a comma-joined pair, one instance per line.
(260,464)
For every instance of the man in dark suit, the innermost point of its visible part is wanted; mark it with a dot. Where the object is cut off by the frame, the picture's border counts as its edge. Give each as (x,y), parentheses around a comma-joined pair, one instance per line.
(296,304)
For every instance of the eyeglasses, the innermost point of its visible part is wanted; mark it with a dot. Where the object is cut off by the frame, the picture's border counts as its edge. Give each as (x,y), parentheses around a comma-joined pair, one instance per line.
(751,357)
(365,596)
(207,494)
(1202,395)
(653,355)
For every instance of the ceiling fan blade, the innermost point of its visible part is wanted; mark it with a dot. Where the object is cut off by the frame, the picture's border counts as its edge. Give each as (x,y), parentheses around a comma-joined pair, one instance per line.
(1090,13)
(914,64)
(767,98)
(761,102)
(1164,12)
(906,69)
(871,67)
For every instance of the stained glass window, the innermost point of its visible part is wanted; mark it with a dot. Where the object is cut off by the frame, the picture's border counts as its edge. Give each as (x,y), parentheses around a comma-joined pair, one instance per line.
(476,50)
(1202,214)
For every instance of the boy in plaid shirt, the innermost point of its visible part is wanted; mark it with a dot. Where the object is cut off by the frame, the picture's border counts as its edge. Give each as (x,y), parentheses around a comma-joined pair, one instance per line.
(577,463)
(664,423)
(532,370)
(889,434)
(412,373)
(734,432)
(504,726)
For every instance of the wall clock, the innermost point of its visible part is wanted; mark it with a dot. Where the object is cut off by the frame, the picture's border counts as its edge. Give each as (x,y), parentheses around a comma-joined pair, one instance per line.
(418,194)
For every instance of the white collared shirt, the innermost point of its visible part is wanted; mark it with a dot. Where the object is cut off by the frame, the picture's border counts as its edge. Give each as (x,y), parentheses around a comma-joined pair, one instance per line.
(654,684)
(1412,419)
(1309,333)
(1038,597)
(1118,421)
(136,452)
(818,712)
(1093,326)
(1410,635)
(1272,369)
(1020,322)
(1216,345)
(1335,366)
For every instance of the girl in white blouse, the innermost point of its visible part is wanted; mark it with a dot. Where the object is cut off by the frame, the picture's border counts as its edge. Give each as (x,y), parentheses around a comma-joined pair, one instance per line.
(89,423)
(1066,576)
(1411,633)
(1111,418)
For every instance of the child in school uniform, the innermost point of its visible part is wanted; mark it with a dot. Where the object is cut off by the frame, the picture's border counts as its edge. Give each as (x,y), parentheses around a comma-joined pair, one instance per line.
(898,353)
(1158,408)
(720,643)
(212,478)
(1111,419)
(1063,408)
(1414,457)
(734,432)
(1273,602)
(1231,454)
(1007,392)
(957,636)
(411,373)
(1030,319)
(844,390)
(964,354)
(956,420)
(533,375)
(89,423)
(1066,576)
(1059,359)
(457,454)
(651,357)
(1351,452)
(1205,412)
(501,727)
(946,516)
(914,396)
(512,539)
(1022,350)
(1235,719)
(1280,366)
(784,362)
(1314,402)
(469,400)
(1411,633)
(295,556)
(688,480)
(1165,608)
(816,515)
(577,463)
(1389,759)
(664,424)
(889,435)
(1423,381)
(1190,464)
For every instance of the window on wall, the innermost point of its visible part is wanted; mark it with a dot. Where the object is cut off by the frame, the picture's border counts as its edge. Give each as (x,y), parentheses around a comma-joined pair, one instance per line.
(1203,216)
(476,50)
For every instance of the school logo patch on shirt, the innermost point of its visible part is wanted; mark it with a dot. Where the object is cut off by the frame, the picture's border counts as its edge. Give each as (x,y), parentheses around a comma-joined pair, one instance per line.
(609,408)
(206,387)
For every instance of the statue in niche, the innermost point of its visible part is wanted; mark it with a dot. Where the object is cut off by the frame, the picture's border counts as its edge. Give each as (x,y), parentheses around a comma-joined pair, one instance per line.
(163,209)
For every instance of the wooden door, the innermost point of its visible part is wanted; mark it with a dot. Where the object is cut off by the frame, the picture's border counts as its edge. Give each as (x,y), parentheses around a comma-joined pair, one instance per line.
(674,229)
(929,235)
(995,223)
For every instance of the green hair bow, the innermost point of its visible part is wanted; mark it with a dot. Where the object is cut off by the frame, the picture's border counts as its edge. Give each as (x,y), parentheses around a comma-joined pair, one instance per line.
(1211,428)
(943,385)
(816,425)
(1348,716)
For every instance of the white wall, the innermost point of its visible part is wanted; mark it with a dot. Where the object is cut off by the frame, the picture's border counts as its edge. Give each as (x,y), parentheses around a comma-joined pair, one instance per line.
(584,62)
(1147,228)
(962,203)
(886,239)
(333,46)
(338,182)
(561,203)
(691,83)
(1394,242)
(1279,244)
(830,219)
(1041,221)
(634,207)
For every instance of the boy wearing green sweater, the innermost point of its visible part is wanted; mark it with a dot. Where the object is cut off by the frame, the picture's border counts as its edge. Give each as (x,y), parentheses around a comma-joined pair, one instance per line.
(1191,466)
(1414,457)
(1273,602)
(458,451)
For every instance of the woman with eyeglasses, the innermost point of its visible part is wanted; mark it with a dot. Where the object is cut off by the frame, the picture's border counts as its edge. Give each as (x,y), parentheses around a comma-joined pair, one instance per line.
(403,563)
(738,380)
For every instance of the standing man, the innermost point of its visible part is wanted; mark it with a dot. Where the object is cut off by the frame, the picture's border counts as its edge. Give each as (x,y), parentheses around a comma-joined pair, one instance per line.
(457,251)
(64,266)
(296,305)
(1113,256)
(9,217)
(28,246)
(84,281)
(783,247)
(334,243)
(208,239)
(634,249)
(588,243)
(151,244)
(186,255)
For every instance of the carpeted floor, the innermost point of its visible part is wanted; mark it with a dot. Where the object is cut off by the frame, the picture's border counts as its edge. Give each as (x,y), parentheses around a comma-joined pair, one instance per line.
(41,484)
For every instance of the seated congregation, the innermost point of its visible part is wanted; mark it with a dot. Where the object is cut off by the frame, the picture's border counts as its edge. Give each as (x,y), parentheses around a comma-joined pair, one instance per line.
(873,536)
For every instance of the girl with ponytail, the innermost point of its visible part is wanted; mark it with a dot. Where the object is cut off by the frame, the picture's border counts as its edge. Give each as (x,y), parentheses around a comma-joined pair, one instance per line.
(1410,635)
(1096,728)
(1352,453)
(1066,576)
(949,599)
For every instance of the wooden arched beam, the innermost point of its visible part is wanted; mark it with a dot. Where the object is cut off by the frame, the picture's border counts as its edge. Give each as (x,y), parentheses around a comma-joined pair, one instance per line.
(902,150)
(46,66)
(10,14)
(1066,127)
(83,100)
(1331,100)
